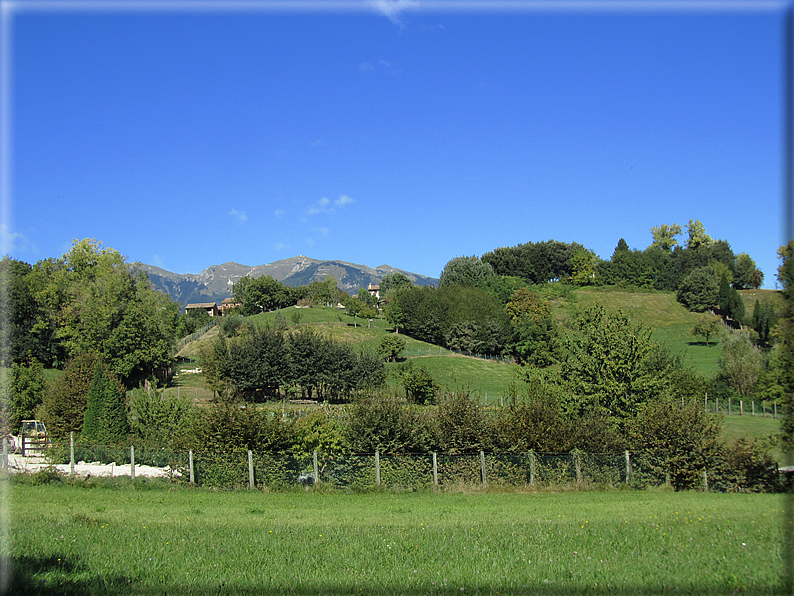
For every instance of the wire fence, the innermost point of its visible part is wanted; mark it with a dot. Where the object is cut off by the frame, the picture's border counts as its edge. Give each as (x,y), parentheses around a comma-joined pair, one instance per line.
(439,351)
(739,407)
(195,335)
(277,470)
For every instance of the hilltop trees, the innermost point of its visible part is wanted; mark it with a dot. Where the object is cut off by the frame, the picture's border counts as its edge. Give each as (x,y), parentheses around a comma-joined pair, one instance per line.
(664,236)
(699,291)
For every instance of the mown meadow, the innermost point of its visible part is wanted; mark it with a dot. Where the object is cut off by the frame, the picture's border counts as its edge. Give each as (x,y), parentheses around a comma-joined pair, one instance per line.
(116,537)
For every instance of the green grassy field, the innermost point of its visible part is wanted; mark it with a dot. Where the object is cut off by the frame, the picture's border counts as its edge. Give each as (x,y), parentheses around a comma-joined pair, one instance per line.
(75,540)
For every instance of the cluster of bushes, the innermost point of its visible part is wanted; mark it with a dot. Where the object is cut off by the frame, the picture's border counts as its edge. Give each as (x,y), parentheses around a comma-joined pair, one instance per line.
(254,363)
(675,443)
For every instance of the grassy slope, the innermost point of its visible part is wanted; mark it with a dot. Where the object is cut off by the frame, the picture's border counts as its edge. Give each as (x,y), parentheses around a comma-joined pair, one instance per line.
(70,540)
(670,321)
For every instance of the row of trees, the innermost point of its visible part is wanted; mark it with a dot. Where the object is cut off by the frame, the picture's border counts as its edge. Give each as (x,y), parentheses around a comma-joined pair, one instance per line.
(663,265)
(255,363)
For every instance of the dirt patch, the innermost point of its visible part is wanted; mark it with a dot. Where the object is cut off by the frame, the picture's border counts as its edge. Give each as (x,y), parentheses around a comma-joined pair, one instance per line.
(19,464)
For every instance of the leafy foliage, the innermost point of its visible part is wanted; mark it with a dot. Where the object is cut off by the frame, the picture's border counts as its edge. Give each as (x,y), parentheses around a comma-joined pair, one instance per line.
(105,421)
(157,419)
(741,362)
(699,291)
(706,326)
(390,347)
(676,442)
(612,365)
(463,425)
(64,404)
(420,386)
(466,271)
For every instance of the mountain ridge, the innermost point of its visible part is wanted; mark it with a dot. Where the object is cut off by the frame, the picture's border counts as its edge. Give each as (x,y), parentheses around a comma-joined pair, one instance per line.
(214,283)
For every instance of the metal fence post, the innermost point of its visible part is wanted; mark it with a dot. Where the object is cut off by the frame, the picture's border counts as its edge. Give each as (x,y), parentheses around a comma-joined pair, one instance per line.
(435,470)
(71,454)
(132,462)
(250,469)
(377,468)
(5,454)
(482,466)
(190,465)
(22,442)
(316,468)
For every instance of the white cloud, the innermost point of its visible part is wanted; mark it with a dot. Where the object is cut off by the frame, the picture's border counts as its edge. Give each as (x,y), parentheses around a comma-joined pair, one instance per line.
(280,212)
(157,261)
(280,246)
(343,200)
(324,205)
(321,206)
(11,242)
(366,67)
(239,215)
(392,9)
(384,63)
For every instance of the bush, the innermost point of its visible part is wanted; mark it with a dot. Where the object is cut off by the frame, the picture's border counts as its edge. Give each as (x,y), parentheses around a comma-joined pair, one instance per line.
(749,467)
(463,425)
(676,443)
(420,386)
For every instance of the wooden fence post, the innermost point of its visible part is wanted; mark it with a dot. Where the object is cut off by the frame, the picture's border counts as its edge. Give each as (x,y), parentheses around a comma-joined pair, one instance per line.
(22,441)
(250,469)
(532,467)
(5,455)
(578,463)
(190,465)
(482,467)
(628,467)
(741,407)
(71,454)
(377,468)
(705,480)
(315,468)
(132,462)
(729,406)
(435,470)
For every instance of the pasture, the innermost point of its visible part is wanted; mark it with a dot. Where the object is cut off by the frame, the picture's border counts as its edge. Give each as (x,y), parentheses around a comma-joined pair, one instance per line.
(119,537)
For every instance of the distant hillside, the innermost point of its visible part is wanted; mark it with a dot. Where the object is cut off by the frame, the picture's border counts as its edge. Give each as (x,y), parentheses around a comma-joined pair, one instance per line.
(215,283)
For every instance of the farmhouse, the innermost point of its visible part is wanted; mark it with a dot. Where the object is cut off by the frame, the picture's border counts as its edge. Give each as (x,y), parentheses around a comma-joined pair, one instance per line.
(228,305)
(209,307)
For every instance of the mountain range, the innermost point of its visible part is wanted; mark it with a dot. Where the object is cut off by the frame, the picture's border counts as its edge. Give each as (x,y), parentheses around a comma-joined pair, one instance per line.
(215,283)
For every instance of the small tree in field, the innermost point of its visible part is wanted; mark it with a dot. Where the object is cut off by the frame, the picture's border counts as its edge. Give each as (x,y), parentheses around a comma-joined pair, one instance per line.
(705,327)
(390,347)
(420,386)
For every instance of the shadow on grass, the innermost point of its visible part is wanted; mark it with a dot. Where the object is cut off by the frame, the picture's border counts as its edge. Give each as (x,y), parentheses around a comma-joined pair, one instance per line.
(711,344)
(53,575)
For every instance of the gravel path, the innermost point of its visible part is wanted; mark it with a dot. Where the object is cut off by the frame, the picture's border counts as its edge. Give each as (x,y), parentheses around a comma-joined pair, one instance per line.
(17,463)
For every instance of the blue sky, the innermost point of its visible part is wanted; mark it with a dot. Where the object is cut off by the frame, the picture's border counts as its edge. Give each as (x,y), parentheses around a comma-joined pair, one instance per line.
(392,133)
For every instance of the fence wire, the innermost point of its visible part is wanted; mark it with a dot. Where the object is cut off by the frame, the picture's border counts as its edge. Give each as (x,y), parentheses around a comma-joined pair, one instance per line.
(274,470)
